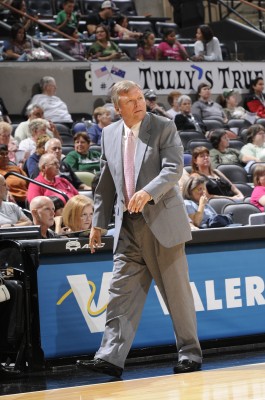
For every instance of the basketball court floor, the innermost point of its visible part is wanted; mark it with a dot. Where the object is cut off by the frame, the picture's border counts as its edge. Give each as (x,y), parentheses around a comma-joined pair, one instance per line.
(236,375)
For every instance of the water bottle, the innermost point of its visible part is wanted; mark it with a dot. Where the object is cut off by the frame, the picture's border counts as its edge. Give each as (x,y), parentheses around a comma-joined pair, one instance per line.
(1,116)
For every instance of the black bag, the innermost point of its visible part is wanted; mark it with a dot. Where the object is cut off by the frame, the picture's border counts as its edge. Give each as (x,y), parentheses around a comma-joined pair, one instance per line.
(219,220)
(12,314)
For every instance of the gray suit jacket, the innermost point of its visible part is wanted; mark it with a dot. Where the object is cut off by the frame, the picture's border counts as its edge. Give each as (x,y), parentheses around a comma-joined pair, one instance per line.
(158,167)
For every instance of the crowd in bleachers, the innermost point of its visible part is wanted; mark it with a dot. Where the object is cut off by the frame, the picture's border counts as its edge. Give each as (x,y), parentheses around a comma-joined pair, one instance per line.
(77,30)
(221,148)
(64,154)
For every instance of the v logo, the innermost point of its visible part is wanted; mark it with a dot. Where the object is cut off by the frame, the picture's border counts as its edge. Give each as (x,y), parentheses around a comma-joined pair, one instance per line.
(95,315)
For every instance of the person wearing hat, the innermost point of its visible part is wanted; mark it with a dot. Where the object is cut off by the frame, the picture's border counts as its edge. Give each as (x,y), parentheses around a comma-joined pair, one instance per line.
(228,100)
(105,16)
(152,106)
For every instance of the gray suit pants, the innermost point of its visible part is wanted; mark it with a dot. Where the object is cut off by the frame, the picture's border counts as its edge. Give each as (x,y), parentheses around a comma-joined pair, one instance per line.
(139,258)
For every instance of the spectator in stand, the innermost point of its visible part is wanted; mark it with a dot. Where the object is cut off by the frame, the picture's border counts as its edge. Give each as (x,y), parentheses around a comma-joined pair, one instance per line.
(146,47)
(77,215)
(172,99)
(10,213)
(196,198)
(37,127)
(42,210)
(67,19)
(217,184)
(28,24)
(3,112)
(185,120)
(105,17)
(205,108)
(258,194)
(207,46)
(81,158)
(7,139)
(255,100)
(221,152)
(17,186)
(34,111)
(16,48)
(104,49)
(254,150)
(152,106)
(122,21)
(54,146)
(73,47)
(33,160)
(228,100)
(49,171)
(102,117)
(54,108)
(170,48)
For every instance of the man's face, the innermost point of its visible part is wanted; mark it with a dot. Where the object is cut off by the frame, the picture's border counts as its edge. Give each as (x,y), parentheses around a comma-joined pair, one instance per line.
(45,214)
(36,113)
(56,149)
(132,106)
(107,12)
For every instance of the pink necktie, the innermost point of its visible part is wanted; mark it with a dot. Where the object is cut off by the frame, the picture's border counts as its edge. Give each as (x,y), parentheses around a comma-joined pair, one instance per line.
(129,150)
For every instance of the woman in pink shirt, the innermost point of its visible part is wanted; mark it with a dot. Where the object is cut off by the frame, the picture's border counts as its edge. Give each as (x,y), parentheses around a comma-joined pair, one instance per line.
(170,48)
(49,171)
(258,194)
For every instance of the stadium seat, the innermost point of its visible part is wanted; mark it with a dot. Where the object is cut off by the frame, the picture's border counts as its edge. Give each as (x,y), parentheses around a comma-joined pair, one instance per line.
(140,26)
(235,173)
(192,144)
(236,144)
(186,136)
(212,124)
(219,203)
(126,7)
(257,219)
(241,212)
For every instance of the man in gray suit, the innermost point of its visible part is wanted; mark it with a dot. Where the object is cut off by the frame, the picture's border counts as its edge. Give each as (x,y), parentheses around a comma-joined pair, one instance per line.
(151,228)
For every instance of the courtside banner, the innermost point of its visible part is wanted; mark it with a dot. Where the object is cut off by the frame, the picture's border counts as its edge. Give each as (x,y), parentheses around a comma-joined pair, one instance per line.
(163,77)
(227,281)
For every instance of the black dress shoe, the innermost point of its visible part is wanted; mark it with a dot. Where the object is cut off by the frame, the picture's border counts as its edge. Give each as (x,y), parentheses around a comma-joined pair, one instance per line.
(186,366)
(8,371)
(99,365)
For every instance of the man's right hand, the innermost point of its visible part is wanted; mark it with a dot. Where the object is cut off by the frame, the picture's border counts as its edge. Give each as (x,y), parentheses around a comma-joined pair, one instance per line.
(94,239)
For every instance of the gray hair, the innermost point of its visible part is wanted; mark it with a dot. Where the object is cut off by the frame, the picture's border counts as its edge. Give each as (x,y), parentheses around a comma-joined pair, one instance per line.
(191,184)
(36,124)
(45,159)
(45,80)
(50,142)
(183,98)
(122,86)
(31,107)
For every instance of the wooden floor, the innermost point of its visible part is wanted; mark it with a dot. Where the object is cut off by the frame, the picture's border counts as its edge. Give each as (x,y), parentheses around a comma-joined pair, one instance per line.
(236,383)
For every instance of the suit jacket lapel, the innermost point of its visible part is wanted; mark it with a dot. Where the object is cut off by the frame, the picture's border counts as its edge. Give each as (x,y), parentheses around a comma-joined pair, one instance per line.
(143,139)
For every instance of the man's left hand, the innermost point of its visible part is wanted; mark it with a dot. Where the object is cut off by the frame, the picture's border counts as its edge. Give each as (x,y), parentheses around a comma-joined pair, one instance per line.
(138,201)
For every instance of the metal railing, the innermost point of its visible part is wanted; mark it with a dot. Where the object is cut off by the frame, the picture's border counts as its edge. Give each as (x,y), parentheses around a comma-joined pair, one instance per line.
(229,8)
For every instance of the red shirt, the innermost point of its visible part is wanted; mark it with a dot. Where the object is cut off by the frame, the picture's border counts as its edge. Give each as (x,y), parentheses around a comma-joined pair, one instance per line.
(59,183)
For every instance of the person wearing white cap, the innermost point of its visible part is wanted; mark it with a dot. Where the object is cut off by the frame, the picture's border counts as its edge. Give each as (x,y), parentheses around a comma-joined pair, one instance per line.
(105,16)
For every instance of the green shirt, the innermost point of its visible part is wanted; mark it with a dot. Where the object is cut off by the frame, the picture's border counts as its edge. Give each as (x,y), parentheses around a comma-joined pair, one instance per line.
(89,162)
(61,17)
(229,156)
